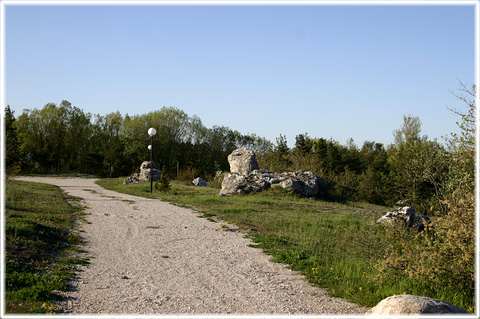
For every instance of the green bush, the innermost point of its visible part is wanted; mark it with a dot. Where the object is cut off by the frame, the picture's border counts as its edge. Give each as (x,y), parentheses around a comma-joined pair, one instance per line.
(163,184)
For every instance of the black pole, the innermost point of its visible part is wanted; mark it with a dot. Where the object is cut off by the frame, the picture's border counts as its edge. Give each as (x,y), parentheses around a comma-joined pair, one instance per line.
(151,165)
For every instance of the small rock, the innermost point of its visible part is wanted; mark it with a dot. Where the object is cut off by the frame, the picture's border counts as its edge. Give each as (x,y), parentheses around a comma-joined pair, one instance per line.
(199,182)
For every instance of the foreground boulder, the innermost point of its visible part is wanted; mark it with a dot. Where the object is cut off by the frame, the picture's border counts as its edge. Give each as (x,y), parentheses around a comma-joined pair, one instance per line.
(147,170)
(404,216)
(410,304)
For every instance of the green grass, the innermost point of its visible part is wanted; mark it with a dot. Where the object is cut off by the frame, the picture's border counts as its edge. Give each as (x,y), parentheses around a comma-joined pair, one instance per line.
(40,246)
(334,245)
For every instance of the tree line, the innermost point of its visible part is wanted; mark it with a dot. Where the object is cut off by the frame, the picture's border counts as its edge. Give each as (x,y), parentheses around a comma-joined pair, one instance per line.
(413,168)
(59,138)
(63,138)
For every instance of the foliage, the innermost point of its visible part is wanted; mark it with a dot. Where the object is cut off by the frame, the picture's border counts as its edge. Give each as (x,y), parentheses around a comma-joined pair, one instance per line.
(410,130)
(163,184)
(417,173)
(64,138)
(12,146)
(39,239)
(444,254)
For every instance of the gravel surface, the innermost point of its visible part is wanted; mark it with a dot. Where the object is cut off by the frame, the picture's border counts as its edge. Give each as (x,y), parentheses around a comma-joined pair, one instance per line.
(151,257)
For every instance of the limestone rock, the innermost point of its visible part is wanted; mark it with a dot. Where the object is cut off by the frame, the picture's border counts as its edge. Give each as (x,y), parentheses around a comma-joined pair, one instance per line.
(199,182)
(242,161)
(306,183)
(404,216)
(147,170)
(410,304)
(233,183)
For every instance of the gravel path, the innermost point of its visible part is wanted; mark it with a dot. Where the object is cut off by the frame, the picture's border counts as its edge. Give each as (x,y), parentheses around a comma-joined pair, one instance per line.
(151,257)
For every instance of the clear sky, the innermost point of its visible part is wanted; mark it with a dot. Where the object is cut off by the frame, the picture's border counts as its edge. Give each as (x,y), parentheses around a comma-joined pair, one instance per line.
(330,71)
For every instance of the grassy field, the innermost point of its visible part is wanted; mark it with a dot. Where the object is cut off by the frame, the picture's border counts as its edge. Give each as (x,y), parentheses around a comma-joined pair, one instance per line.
(41,245)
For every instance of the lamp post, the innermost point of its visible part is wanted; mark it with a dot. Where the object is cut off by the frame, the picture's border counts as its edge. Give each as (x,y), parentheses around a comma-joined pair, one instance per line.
(151,132)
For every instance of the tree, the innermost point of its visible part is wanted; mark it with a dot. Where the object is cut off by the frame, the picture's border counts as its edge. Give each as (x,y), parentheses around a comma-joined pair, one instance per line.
(78,134)
(410,130)
(12,146)
(109,131)
(303,144)
(417,173)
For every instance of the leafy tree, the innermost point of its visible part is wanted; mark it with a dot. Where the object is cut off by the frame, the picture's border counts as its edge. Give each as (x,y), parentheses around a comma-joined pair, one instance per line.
(78,134)
(303,144)
(12,146)
(410,130)
(417,167)
(110,143)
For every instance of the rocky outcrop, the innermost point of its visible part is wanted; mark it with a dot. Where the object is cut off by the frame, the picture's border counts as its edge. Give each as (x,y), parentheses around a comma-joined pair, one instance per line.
(245,177)
(410,304)
(242,161)
(404,216)
(147,170)
(199,182)
(305,183)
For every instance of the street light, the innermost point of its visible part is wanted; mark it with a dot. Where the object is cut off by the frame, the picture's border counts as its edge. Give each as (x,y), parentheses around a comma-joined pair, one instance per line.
(151,132)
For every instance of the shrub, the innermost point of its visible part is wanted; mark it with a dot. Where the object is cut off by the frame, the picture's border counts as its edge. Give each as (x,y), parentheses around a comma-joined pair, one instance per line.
(163,184)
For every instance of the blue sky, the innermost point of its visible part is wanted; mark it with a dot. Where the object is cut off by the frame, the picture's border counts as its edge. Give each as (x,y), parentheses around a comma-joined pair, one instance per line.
(330,71)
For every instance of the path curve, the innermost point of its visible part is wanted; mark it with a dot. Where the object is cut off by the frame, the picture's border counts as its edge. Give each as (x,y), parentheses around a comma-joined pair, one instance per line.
(151,257)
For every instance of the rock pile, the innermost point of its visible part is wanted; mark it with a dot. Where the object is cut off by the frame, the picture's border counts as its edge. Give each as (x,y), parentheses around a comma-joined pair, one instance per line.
(147,170)
(404,216)
(245,177)
(410,304)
